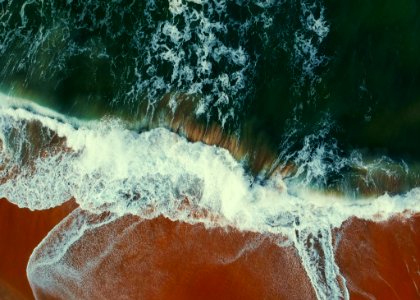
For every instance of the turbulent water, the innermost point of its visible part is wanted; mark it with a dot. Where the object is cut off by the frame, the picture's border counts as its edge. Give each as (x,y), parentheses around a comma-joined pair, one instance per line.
(99,75)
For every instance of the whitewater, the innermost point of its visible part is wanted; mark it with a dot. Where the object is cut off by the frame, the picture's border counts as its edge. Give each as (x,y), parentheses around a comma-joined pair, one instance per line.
(200,60)
(107,168)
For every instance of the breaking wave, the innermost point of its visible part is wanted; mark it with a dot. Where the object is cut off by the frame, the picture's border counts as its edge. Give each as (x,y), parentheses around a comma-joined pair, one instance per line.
(195,61)
(48,158)
(98,57)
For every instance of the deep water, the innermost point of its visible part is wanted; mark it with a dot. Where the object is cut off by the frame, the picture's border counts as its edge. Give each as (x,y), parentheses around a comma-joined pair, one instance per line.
(356,62)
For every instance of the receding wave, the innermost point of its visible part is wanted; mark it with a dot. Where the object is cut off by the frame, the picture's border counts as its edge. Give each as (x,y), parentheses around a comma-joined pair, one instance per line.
(48,159)
(224,115)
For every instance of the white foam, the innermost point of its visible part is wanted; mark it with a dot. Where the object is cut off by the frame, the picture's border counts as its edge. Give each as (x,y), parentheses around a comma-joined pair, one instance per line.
(112,169)
(148,55)
(307,40)
(172,46)
(193,41)
(42,267)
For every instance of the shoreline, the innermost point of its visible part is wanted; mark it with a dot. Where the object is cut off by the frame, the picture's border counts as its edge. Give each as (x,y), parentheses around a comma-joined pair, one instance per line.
(382,239)
(21,230)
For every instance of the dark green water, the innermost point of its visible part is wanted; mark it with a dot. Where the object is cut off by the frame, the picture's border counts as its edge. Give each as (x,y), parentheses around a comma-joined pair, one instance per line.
(343,76)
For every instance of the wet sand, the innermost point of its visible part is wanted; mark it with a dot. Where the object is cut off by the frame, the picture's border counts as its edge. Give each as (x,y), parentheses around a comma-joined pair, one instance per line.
(21,230)
(162,259)
(159,259)
(381,260)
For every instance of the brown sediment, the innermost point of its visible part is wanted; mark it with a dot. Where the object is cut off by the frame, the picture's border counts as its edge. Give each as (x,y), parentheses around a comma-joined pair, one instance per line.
(380,260)
(38,141)
(162,259)
(32,141)
(20,232)
(244,145)
(392,179)
(258,155)
(261,158)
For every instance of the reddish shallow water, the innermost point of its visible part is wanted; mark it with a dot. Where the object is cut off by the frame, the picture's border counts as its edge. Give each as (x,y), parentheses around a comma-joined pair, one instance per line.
(20,231)
(381,260)
(161,259)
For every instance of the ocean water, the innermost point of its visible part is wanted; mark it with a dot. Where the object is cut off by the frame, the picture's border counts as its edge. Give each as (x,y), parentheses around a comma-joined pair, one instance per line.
(307,115)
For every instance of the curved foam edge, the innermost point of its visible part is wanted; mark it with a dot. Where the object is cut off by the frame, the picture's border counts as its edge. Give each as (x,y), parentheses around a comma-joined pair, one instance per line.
(158,173)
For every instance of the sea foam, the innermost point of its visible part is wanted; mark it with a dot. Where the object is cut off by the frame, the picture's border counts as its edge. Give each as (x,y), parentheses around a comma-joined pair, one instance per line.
(108,168)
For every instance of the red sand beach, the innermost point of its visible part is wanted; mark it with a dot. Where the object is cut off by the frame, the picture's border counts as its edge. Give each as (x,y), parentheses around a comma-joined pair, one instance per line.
(381,260)
(21,230)
(161,259)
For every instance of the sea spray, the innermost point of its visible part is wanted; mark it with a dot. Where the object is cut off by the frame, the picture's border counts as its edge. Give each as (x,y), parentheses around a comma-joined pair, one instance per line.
(232,62)
(133,54)
(109,169)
